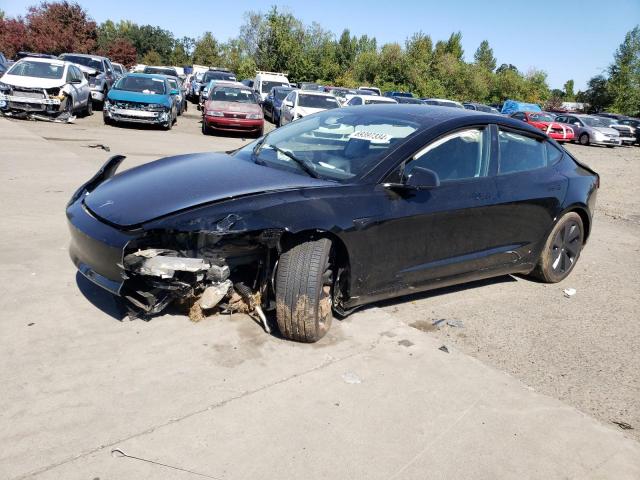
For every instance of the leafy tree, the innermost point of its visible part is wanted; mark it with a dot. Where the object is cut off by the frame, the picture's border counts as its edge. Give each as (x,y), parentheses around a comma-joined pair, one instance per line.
(568,93)
(597,95)
(347,49)
(454,46)
(13,36)
(182,50)
(207,51)
(151,58)
(506,66)
(59,27)
(122,51)
(484,56)
(624,75)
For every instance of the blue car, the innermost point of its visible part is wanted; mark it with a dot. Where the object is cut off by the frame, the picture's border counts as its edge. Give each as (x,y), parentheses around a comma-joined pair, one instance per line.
(141,98)
(273,103)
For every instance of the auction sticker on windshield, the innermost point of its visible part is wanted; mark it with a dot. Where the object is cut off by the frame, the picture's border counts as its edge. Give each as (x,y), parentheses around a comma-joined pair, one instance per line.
(372,137)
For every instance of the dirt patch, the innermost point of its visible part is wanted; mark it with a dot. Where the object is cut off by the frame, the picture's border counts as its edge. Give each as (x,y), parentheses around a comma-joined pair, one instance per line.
(423,326)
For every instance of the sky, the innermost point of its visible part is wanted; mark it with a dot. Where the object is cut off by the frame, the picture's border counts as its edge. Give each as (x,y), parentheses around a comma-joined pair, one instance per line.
(569,40)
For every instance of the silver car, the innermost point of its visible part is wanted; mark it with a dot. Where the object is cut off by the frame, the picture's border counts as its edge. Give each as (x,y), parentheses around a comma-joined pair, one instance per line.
(627,133)
(590,130)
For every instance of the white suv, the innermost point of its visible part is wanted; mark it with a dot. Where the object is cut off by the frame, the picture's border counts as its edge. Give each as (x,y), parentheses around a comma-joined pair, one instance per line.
(265,81)
(300,103)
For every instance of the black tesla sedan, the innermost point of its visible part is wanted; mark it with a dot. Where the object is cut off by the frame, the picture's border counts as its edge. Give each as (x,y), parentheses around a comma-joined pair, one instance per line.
(336,210)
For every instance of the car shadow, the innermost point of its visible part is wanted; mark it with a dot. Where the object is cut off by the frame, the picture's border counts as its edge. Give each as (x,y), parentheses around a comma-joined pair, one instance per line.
(444,291)
(101,299)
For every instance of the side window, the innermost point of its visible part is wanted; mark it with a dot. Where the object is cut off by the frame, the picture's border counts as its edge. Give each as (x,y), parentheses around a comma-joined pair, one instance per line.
(78,74)
(460,155)
(561,119)
(69,74)
(520,153)
(109,67)
(355,101)
(519,116)
(554,154)
(290,98)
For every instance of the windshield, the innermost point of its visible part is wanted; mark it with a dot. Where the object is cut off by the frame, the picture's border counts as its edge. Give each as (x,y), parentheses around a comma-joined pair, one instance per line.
(280,93)
(85,61)
(607,122)
(541,117)
(26,68)
(146,85)
(317,101)
(232,94)
(218,76)
(267,86)
(593,122)
(335,144)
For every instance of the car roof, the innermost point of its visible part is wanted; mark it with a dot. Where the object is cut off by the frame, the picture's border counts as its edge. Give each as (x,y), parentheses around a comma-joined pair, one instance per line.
(315,92)
(55,61)
(431,115)
(85,55)
(375,97)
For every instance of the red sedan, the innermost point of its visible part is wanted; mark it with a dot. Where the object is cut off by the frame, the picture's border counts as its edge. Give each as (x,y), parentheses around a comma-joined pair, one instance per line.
(545,122)
(233,109)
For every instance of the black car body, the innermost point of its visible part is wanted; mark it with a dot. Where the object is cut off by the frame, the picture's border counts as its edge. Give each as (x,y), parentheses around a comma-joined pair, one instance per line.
(273,102)
(391,225)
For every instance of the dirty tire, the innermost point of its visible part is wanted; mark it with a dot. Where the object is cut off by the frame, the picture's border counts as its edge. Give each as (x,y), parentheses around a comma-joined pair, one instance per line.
(561,250)
(303,291)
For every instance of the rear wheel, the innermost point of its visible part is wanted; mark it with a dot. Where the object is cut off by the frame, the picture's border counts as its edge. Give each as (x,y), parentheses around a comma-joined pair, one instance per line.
(88,110)
(561,250)
(304,283)
(205,129)
(584,139)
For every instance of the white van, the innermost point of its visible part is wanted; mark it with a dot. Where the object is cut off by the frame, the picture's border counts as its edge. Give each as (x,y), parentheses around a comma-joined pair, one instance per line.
(265,81)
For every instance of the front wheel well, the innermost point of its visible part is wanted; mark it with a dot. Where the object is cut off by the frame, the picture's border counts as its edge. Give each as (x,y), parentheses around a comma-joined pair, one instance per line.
(339,252)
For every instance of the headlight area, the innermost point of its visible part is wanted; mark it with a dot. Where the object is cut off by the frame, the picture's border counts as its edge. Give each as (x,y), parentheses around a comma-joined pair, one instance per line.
(201,272)
(136,112)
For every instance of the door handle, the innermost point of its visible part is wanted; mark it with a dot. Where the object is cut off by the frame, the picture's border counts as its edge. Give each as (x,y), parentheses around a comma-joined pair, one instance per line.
(481,195)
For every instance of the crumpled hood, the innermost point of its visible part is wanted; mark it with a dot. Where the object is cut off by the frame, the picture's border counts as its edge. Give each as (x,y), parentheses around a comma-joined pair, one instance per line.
(126,96)
(32,82)
(173,184)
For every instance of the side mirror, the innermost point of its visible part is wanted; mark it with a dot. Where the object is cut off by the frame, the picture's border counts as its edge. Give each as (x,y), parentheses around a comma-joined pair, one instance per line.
(288,103)
(175,92)
(422,178)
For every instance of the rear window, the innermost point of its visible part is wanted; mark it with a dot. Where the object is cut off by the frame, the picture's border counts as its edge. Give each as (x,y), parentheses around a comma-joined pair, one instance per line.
(219,76)
(161,71)
(317,101)
(267,86)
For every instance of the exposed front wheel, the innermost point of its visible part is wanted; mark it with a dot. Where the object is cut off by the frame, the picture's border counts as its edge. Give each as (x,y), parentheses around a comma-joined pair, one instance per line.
(304,283)
(561,250)
(584,139)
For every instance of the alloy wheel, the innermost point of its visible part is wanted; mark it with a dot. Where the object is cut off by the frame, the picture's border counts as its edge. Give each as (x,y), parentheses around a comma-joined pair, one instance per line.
(566,247)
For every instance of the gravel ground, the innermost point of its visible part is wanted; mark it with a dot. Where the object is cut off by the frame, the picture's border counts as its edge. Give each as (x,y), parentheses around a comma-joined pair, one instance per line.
(584,350)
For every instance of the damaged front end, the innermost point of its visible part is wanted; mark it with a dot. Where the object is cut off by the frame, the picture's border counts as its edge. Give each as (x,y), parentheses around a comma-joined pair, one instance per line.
(225,269)
(47,104)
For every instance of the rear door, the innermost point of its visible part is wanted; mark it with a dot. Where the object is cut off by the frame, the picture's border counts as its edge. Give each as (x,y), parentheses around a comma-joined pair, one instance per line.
(531,191)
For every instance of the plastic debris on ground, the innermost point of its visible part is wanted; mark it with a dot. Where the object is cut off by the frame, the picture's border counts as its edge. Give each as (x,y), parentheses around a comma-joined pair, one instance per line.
(569,292)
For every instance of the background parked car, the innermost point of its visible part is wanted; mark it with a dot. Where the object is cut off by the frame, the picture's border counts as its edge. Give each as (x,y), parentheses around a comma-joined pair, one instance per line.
(213,75)
(442,102)
(627,133)
(394,93)
(479,107)
(634,123)
(104,78)
(169,71)
(119,69)
(513,106)
(545,122)
(141,98)
(44,86)
(368,100)
(591,130)
(410,100)
(3,63)
(273,103)
(265,81)
(180,99)
(232,108)
(373,90)
(300,103)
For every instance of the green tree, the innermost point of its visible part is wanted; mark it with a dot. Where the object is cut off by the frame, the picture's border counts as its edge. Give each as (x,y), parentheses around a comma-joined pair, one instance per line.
(597,95)
(151,57)
(207,51)
(568,94)
(624,75)
(484,56)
